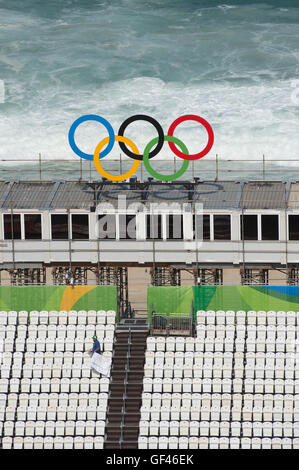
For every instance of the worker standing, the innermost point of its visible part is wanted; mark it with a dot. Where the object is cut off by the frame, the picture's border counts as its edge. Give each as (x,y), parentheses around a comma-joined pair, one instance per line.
(96,345)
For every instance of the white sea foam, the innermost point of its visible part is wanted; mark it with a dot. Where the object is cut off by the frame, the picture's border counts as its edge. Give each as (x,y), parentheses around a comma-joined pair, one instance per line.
(236,70)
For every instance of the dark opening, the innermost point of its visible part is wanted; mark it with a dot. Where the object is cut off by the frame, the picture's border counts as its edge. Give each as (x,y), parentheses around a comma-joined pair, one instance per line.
(59,224)
(12,226)
(202,228)
(222,227)
(249,227)
(33,226)
(174,227)
(293,227)
(270,227)
(154,226)
(127,227)
(80,227)
(106,226)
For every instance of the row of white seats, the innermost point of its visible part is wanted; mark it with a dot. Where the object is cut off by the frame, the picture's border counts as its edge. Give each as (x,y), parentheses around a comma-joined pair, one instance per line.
(244,313)
(216,443)
(262,336)
(240,359)
(251,317)
(250,332)
(280,372)
(179,385)
(53,443)
(208,401)
(240,329)
(50,345)
(219,358)
(54,400)
(39,371)
(212,428)
(217,385)
(64,372)
(53,428)
(226,398)
(170,384)
(150,355)
(48,357)
(54,330)
(54,363)
(54,385)
(62,317)
(60,413)
(219,413)
(80,336)
(227,344)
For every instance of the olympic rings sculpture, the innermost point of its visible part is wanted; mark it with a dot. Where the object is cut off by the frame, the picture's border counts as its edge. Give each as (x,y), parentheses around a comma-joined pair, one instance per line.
(105,146)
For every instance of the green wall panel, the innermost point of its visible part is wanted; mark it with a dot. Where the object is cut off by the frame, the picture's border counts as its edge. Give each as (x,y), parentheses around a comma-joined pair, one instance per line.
(58,298)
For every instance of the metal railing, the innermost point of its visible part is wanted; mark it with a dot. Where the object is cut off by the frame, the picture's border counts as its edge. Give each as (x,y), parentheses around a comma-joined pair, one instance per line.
(171,324)
(214,167)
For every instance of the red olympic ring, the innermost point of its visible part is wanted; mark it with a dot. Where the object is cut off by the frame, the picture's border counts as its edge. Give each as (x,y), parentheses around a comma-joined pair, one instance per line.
(191,117)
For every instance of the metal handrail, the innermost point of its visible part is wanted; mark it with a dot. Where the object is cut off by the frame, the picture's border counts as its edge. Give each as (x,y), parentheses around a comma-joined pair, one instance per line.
(213,161)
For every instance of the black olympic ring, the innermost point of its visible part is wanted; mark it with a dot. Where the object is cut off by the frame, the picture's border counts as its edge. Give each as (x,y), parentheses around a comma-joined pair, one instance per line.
(141,117)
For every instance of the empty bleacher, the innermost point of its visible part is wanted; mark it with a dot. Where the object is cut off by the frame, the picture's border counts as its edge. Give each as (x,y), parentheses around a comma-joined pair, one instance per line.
(49,395)
(234,385)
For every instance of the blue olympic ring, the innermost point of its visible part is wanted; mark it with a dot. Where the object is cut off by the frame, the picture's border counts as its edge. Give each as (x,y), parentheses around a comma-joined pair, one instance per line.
(91,117)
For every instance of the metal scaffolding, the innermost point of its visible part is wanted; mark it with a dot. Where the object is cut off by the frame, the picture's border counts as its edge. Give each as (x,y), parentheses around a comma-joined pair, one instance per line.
(165,276)
(208,277)
(251,277)
(117,276)
(27,276)
(75,276)
(293,277)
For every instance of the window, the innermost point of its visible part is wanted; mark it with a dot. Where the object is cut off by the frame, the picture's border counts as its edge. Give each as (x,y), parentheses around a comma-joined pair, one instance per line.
(127,227)
(33,226)
(59,225)
(154,226)
(12,227)
(106,226)
(174,227)
(80,227)
(202,228)
(270,227)
(293,227)
(249,227)
(222,227)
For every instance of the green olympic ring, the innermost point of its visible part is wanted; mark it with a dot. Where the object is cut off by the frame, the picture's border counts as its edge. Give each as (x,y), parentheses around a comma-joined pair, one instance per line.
(154,173)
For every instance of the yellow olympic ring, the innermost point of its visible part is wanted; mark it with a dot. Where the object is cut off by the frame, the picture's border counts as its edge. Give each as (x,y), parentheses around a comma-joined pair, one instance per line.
(109,176)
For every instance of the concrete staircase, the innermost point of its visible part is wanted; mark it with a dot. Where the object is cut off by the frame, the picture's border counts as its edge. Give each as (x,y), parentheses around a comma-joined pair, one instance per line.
(126,383)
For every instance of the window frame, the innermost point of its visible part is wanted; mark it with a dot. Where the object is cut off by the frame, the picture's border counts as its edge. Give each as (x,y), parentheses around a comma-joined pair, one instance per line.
(258,229)
(41,222)
(212,233)
(261,226)
(71,226)
(68,224)
(22,223)
(148,217)
(194,226)
(288,226)
(117,228)
(116,237)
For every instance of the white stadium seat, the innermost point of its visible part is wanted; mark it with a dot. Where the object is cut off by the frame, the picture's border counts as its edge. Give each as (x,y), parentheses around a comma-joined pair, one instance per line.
(233,385)
(238,366)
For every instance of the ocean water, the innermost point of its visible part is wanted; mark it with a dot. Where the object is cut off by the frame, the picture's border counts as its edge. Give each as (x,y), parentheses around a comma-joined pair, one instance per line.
(235,64)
